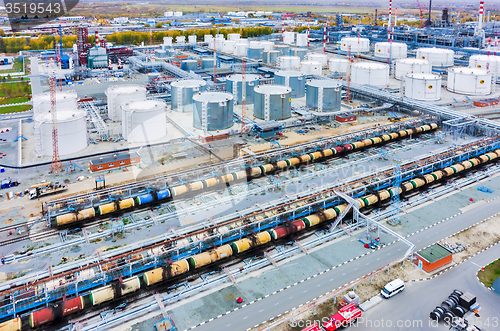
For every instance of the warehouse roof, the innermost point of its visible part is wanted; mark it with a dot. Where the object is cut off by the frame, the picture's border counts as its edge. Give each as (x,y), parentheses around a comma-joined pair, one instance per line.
(434,253)
(114,157)
(346,115)
(269,125)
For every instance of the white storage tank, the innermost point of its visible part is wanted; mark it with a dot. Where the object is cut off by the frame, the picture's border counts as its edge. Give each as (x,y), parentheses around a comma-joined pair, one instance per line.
(240,49)
(207,39)
(183,91)
(311,68)
(323,95)
(144,121)
(391,49)
(233,36)
(268,45)
(228,46)
(301,40)
(66,100)
(409,66)
(322,58)
(358,45)
(489,62)
(469,81)
(167,41)
(288,37)
(180,40)
(272,102)
(284,49)
(289,62)
(213,111)
(254,43)
(293,79)
(375,74)
(423,86)
(192,40)
(300,52)
(119,95)
(234,84)
(71,132)
(255,53)
(438,57)
(338,65)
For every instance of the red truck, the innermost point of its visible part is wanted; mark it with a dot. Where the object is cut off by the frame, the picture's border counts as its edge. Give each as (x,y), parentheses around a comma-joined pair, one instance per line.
(344,317)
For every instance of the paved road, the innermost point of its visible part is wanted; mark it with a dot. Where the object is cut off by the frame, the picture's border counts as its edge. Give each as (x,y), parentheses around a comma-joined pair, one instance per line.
(281,302)
(413,305)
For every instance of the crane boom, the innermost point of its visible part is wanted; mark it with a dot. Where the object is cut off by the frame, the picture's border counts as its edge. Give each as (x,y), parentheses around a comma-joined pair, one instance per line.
(421,15)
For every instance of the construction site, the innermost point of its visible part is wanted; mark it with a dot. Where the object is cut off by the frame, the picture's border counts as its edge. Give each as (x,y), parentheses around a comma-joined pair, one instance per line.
(174,186)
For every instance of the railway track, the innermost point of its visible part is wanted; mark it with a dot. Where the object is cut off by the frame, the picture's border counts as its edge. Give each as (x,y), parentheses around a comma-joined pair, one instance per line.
(37,236)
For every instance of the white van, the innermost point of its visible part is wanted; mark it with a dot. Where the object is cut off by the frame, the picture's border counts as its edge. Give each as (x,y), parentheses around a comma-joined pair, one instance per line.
(393,288)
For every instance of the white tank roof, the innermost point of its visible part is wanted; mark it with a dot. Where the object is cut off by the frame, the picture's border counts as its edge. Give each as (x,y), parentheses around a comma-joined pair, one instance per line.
(423,76)
(289,73)
(272,89)
(124,88)
(189,83)
(435,50)
(213,97)
(61,116)
(412,61)
(239,78)
(469,71)
(145,105)
(370,65)
(324,83)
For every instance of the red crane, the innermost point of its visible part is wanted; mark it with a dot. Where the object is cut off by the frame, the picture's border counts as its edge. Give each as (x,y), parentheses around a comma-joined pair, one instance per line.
(243,92)
(421,15)
(56,164)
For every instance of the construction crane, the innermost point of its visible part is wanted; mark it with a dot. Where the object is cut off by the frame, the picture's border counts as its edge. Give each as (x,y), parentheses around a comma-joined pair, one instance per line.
(243,92)
(56,164)
(421,14)
(59,55)
(349,58)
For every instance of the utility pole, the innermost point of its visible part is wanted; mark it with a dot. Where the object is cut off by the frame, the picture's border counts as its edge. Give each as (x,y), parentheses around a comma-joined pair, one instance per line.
(243,92)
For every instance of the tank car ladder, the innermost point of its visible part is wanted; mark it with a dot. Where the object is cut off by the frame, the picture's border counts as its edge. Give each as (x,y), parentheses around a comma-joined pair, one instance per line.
(153,217)
(302,247)
(161,305)
(229,274)
(271,259)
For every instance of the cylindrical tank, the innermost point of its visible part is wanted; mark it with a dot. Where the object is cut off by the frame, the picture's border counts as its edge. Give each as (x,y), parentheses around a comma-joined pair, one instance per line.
(375,74)
(287,229)
(65,100)
(160,54)
(272,102)
(244,244)
(301,40)
(183,91)
(228,46)
(118,95)
(166,272)
(180,40)
(438,57)
(214,255)
(293,79)
(323,58)
(167,41)
(255,53)
(240,49)
(267,45)
(423,86)
(233,36)
(207,63)
(300,52)
(192,40)
(11,325)
(144,121)
(189,65)
(491,63)
(234,84)
(47,315)
(126,203)
(284,49)
(270,57)
(163,194)
(107,208)
(110,292)
(254,43)
(409,66)
(323,95)
(289,62)
(212,111)
(469,81)
(338,65)
(71,131)
(144,199)
(311,68)
(393,50)
(360,45)
(289,37)
(206,38)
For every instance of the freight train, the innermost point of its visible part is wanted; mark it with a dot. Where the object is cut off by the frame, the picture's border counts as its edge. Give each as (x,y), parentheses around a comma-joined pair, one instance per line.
(269,168)
(130,285)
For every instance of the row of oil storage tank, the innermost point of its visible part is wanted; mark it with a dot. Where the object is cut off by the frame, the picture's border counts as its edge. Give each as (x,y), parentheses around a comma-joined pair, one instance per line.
(130,285)
(247,174)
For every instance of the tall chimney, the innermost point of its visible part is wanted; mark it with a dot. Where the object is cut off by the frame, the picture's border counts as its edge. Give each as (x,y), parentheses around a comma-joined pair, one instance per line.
(97,38)
(481,12)
(389,24)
